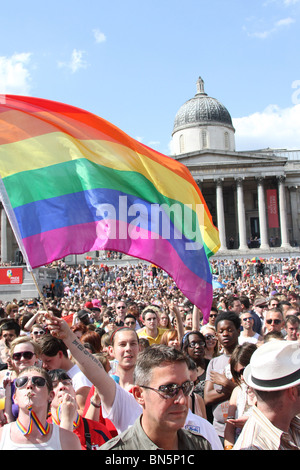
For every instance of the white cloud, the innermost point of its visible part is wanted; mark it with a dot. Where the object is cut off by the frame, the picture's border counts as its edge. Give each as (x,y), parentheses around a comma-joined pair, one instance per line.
(274,127)
(285,3)
(290,2)
(99,36)
(14,74)
(261,35)
(76,62)
(284,22)
(153,143)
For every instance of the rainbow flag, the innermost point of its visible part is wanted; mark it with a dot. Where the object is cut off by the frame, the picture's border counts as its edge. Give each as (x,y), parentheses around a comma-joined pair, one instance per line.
(72,182)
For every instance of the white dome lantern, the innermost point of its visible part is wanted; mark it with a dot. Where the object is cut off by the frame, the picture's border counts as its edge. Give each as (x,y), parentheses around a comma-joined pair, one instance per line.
(202,123)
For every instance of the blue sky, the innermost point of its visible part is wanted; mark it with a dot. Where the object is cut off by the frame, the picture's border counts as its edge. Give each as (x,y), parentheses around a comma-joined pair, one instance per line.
(135,63)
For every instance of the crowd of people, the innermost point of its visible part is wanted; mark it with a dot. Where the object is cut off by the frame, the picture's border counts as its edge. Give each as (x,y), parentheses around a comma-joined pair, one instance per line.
(117,358)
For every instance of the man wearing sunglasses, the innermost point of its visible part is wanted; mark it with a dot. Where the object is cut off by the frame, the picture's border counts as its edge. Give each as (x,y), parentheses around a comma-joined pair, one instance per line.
(169,393)
(121,311)
(162,387)
(248,335)
(274,320)
(212,316)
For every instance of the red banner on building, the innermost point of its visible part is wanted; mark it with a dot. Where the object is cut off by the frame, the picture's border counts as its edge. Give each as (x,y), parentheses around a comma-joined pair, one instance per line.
(272,208)
(11,276)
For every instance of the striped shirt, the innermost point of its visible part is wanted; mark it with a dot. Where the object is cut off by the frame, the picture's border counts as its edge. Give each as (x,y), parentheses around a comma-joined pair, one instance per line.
(260,434)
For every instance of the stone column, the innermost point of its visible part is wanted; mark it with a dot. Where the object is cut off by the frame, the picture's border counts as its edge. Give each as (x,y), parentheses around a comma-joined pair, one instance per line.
(3,236)
(220,213)
(282,213)
(241,214)
(294,211)
(263,227)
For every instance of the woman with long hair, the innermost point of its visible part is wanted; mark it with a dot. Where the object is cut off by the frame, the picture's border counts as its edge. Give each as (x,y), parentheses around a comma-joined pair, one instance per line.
(242,398)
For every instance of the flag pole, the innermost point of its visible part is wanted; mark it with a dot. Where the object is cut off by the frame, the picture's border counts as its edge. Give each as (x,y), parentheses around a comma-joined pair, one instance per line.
(15,228)
(13,222)
(39,291)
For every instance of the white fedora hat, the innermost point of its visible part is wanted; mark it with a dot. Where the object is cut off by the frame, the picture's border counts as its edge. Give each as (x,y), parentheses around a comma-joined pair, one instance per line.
(274,366)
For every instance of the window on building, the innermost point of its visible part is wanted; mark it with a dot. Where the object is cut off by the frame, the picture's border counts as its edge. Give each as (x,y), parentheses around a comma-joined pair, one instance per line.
(226,141)
(181,143)
(204,139)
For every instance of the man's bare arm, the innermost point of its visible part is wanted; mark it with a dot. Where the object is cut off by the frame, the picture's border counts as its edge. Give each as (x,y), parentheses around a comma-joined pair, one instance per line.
(88,364)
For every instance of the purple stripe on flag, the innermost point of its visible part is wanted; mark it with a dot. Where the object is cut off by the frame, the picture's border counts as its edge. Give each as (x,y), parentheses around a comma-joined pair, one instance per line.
(78,239)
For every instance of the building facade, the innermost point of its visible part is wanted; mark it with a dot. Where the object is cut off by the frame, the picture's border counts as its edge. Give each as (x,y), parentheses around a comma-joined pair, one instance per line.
(253,196)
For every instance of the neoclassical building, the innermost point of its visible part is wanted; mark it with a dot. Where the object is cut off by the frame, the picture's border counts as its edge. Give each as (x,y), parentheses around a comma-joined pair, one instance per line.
(253,196)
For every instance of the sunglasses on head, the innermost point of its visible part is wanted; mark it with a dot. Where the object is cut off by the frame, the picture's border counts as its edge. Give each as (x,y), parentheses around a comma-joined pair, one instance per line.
(172,390)
(25,354)
(36,380)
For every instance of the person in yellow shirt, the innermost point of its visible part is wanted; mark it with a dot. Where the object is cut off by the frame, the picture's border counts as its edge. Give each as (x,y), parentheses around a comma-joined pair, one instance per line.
(151,330)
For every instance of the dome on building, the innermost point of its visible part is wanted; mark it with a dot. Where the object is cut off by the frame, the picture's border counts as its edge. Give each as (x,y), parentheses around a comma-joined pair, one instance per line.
(201,110)
(202,123)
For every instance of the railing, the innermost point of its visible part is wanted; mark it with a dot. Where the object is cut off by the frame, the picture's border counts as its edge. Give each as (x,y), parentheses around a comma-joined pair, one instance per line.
(235,268)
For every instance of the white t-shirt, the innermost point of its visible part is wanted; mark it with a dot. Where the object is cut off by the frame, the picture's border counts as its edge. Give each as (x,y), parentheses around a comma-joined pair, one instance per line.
(79,380)
(248,339)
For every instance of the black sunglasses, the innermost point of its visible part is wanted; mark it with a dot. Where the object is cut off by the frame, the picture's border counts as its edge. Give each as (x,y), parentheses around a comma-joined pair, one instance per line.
(171,390)
(276,322)
(36,380)
(25,354)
